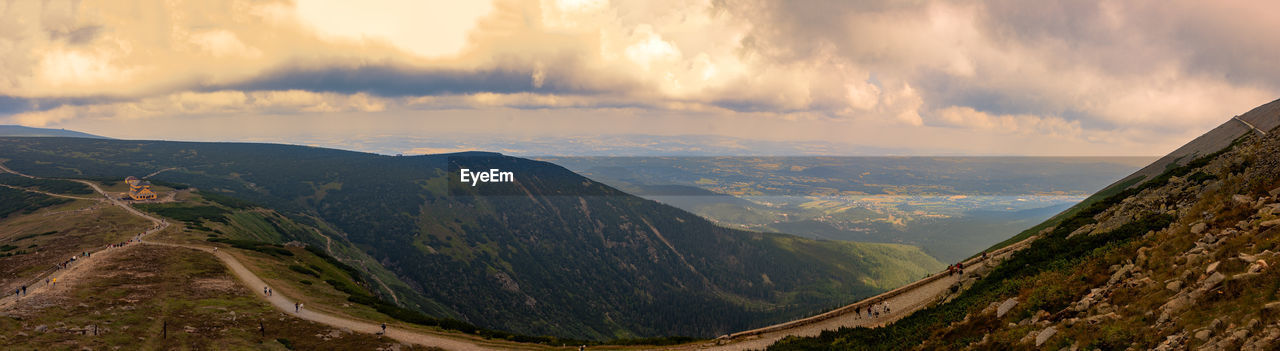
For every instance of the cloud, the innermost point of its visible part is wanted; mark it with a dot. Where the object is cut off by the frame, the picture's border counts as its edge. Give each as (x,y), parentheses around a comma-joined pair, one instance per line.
(207,103)
(961,116)
(1096,72)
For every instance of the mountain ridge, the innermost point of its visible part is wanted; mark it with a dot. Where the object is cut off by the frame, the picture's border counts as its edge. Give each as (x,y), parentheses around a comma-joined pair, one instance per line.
(512,263)
(23,131)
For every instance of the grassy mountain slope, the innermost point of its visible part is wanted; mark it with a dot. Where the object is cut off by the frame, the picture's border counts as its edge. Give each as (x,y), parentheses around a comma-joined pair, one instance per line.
(1178,261)
(38,231)
(591,262)
(154,297)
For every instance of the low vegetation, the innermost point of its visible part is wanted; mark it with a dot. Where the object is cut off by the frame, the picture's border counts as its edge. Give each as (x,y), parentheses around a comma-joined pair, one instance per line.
(56,186)
(18,201)
(189,214)
(167,298)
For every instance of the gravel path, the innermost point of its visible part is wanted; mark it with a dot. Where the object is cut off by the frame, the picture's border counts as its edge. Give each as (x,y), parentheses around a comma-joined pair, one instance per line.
(253,282)
(284,304)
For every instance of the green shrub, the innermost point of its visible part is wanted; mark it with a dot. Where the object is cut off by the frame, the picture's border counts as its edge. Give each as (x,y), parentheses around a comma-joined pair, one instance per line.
(267,248)
(189,214)
(304,270)
(224,200)
(29,236)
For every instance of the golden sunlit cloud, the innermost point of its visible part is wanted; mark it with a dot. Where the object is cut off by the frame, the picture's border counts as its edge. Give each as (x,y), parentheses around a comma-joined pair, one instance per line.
(1111,74)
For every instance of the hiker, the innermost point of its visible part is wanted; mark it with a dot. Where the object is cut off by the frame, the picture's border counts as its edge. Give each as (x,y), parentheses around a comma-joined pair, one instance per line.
(384,328)
(264,290)
(271,292)
(296,307)
(17,293)
(24,290)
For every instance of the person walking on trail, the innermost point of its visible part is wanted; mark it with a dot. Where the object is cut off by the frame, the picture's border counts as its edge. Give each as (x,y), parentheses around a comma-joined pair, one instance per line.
(264,290)
(24,290)
(384,329)
(296,307)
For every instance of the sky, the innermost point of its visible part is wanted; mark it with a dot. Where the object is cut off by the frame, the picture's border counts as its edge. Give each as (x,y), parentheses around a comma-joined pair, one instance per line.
(920,77)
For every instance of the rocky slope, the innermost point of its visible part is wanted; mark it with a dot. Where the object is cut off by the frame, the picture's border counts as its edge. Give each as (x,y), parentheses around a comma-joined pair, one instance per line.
(1183,260)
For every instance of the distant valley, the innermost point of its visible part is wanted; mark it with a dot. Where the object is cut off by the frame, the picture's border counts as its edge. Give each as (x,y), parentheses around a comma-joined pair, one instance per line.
(952,207)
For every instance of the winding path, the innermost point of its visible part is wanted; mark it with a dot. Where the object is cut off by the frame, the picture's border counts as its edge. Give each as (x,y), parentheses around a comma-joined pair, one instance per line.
(1250,125)
(902,301)
(252,281)
(82,263)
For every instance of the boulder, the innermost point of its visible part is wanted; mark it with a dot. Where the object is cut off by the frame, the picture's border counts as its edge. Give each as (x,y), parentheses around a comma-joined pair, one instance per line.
(1174,286)
(1095,319)
(1247,258)
(1120,274)
(1258,266)
(1177,304)
(1212,281)
(1213,267)
(1031,336)
(1246,276)
(1082,230)
(1270,223)
(1271,311)
(1044,335)
(1241,199)
(1006,306)
(1198,228)
(1204,334)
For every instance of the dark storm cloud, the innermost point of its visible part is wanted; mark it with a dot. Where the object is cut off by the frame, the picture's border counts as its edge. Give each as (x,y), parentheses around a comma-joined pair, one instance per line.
(391,81)
(78,36)
(13,104)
